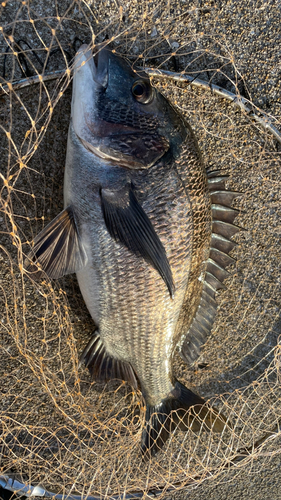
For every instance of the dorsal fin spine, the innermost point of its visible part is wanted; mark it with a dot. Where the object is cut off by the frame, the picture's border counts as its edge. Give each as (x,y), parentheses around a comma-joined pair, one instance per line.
(223,229)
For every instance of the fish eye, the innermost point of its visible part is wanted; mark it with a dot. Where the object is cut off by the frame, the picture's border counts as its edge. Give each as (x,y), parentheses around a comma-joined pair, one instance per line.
(142,91)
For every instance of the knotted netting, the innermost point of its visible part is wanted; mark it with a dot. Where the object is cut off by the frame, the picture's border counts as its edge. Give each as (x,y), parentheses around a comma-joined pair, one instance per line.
(60,432)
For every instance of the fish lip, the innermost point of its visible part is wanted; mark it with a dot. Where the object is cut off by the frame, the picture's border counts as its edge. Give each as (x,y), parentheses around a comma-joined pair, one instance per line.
(97,60)
(90,77)
(101,60)
(100,65)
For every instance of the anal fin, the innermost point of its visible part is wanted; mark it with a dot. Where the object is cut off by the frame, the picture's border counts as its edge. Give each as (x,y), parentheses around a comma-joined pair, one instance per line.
(104,367)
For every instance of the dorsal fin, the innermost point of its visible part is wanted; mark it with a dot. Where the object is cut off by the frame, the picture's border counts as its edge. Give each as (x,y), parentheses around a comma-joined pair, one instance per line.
(222,231)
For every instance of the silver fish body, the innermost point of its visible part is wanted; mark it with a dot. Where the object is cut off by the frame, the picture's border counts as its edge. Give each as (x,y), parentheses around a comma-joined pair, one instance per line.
(127,298)
(137,230)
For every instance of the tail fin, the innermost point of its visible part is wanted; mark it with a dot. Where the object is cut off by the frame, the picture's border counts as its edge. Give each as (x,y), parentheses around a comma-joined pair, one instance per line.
(160,423)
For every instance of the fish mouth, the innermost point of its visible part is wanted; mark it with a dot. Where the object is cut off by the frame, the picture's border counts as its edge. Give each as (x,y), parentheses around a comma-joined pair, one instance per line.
(96,60)
(100,66)
(90,78)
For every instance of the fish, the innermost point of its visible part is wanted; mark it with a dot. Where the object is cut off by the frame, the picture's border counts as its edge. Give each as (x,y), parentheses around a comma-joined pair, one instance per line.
(147,232)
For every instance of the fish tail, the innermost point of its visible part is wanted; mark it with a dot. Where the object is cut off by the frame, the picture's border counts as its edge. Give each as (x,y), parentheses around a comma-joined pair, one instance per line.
(163,418)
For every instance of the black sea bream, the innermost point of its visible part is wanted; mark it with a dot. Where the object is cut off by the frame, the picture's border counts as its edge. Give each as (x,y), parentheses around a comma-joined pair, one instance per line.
(147,233)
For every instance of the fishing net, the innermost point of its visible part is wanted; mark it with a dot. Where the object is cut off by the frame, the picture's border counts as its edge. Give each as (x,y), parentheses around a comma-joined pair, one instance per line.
(61,433)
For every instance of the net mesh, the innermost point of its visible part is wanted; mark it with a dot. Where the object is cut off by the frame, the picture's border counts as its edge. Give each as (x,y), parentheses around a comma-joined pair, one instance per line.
(57,428)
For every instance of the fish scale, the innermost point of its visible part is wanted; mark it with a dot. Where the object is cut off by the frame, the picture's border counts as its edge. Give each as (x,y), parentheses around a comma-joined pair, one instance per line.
(147,232)
(147,290)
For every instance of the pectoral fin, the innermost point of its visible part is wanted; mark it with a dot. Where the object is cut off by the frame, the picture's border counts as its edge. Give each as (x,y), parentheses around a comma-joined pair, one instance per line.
(128,224)
(57,249)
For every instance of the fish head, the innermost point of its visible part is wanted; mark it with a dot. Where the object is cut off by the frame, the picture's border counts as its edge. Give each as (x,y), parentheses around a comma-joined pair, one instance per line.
(118,115)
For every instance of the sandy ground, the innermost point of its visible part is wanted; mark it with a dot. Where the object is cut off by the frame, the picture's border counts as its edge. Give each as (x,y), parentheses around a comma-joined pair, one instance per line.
(235,45)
